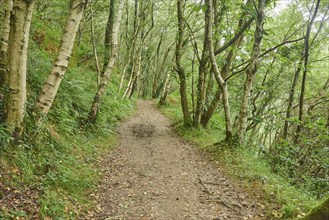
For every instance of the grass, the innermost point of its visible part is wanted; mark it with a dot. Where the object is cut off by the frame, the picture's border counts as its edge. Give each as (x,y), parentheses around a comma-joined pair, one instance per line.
(244,166)
(51,173)
(62,172)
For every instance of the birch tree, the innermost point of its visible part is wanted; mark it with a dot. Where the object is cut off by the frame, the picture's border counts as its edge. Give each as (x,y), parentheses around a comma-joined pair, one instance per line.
(51,86)
(108,71)
(218,76)
(20,21)
(251,71)
(179,69)
(229,58)
(4,41)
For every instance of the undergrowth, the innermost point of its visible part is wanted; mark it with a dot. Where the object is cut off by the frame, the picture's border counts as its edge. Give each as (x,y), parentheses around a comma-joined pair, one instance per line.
(52,171)
(244,165)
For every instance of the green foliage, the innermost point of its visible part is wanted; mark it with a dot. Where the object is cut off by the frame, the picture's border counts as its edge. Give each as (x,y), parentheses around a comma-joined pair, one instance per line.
(306,163)
(244,165)
(58,158)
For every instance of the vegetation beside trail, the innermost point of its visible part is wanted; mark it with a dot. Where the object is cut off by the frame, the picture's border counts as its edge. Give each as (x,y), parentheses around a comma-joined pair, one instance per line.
(247,166)
(247,80)
(51,171)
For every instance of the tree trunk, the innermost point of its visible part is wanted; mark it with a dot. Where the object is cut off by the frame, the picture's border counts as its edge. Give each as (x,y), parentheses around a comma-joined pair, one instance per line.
(200,98)
(114,53)
(291,99)
(165,92)
(132,57)
(4,42)
(157,68)
(321,212)
(93,42)
(59,68)
(20,21)
(136,72)
(212,108)
(251,71)
(230,56)
(218,76)
(108,36)
(306,58)
(180,70)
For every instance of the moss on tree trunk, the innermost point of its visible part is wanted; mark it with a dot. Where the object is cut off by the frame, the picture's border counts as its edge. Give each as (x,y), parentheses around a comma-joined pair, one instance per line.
(321,212)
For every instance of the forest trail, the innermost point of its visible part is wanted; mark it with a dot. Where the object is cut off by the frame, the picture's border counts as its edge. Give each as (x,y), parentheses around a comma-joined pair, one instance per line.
(154,174)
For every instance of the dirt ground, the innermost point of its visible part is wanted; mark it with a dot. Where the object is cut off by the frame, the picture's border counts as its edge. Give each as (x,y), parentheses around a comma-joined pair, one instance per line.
(154,174)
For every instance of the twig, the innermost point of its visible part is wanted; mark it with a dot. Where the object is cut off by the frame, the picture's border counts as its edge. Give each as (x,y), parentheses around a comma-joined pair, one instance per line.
(7,196)
(206,190)
(220,200)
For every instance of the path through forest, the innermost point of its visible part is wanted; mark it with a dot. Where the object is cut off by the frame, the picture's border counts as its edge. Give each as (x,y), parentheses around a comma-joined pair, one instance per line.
(154,174)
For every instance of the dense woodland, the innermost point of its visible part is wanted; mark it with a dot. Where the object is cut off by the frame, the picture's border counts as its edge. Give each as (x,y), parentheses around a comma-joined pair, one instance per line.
(255,71)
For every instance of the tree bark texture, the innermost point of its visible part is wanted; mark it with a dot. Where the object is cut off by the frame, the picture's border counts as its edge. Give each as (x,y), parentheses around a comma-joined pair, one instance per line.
(306,62)
(206,116)
(218,76)
(93,42)
(108,36)
(165,92)
(251,71)
(108,71)
(230,56)
(59,68)
(133,48)
(4,42)
(180,70)
(200,92)
(136,72)
(20,21)
(291,99)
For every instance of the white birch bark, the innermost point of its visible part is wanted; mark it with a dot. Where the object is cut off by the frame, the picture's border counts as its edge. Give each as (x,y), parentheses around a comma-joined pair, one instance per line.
(251,71)
(218,76)
(20,21)
(93,42)
(59,68)
(4,41)
(108,71)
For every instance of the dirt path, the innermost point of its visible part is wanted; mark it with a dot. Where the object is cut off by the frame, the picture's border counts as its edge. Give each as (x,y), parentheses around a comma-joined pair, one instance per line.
(154,174)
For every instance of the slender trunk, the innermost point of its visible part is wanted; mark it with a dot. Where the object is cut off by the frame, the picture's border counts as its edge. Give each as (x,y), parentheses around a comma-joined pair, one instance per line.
(251,71)
(122,80)
(192,86)
(165,92)
(95,48)
(136,73)
(127,56)
(132,58)
(59,68)
(4,42)
(20,21)
(230,56)
(200,102)
(114,53)
(180,70)
(157,69)
(305,70)
(218,76)
(291,99)
(108,35)
(127,91)
(212,108)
